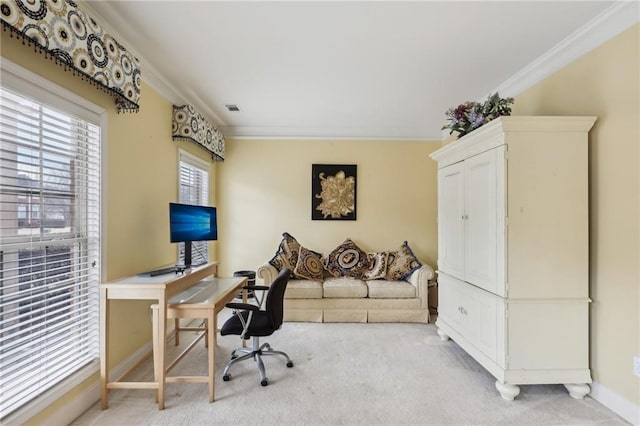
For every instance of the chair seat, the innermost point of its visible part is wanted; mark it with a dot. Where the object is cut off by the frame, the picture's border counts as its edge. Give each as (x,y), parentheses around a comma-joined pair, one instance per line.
(259,326)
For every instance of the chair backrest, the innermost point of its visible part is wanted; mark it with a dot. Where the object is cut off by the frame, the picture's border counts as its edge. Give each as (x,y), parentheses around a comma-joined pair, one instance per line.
(275,299)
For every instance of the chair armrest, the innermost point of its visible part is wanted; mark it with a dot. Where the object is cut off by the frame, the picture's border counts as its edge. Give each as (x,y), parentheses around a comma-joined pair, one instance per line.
(256,287)
(268,273)
(242,306)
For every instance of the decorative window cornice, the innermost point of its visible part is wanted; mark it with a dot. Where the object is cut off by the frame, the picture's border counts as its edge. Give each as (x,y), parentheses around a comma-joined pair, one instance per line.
(189,124)
(60,30)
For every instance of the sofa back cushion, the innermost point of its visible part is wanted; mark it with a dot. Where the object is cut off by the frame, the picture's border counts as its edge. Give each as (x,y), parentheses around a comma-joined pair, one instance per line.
(309,265)
(401,263)
(377,269)
(287,254)
(347,260)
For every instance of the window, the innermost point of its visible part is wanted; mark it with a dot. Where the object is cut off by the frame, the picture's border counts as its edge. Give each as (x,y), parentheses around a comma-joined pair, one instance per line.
(193,187)
(49,241)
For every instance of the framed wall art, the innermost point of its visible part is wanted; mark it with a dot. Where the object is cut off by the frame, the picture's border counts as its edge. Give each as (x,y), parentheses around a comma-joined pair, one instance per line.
(333,191)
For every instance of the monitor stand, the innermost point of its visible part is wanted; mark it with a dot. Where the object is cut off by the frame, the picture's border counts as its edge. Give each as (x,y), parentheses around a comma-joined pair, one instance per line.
(181,268)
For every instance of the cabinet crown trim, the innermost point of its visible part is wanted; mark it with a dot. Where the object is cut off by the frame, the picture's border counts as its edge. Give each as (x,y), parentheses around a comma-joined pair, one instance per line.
(491,134)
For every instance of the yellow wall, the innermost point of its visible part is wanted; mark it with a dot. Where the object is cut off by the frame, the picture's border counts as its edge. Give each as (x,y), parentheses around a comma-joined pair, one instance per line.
(265,190)
(141,179)
(605,83)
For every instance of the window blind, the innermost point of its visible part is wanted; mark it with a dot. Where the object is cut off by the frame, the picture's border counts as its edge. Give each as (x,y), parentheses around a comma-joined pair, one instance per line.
(49,247)
(194,189)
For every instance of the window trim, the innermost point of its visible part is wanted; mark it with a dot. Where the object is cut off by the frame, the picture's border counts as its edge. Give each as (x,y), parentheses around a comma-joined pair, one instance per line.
(188,158)
(22,80)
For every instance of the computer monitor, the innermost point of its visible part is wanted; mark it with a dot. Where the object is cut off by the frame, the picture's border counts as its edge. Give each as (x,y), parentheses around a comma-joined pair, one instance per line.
(188,223)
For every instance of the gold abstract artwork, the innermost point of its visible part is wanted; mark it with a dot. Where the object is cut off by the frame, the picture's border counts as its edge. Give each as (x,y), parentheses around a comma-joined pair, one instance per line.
(338,195)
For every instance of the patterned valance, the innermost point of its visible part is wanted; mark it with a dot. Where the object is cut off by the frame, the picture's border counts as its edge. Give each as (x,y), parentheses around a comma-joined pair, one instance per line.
(62,31)
(190,124)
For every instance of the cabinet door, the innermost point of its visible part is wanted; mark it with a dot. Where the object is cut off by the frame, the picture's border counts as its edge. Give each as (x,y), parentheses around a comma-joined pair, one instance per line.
(450,218)
(483,325)
(480,220)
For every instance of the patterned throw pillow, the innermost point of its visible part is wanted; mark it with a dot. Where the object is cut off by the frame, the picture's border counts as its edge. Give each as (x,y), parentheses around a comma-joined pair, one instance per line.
(401,263)
(347,260)
(309,266)
(377,266)
(287,254)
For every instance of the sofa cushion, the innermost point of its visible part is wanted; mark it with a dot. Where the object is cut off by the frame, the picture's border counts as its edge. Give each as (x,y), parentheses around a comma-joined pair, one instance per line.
(344,288)
(347,260)
(303,289)
(401,263)
(309,265)
(377,266)
(287,254)
(380,289)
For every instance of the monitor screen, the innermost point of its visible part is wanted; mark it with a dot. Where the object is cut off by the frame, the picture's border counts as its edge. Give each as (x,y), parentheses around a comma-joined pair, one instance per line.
(192,223)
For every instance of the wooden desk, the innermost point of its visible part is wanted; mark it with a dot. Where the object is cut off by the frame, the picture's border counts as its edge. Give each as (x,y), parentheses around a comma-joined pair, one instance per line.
(159,288)
(202,301)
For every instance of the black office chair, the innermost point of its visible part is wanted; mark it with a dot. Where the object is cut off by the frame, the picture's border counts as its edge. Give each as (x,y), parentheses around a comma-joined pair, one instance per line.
(250,321)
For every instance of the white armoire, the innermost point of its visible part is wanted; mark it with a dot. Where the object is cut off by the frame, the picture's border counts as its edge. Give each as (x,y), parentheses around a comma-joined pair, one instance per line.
(513,250)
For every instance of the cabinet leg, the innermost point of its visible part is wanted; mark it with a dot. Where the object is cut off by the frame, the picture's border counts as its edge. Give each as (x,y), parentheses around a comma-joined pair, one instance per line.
(578,390)
(443,335)
(507,391)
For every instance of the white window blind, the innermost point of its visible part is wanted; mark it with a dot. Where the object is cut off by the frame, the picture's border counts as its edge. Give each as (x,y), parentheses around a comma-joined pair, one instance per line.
(49,247)
(194,189)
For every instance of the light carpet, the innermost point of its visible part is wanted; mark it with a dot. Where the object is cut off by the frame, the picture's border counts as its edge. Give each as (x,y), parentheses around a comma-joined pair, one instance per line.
(348,374)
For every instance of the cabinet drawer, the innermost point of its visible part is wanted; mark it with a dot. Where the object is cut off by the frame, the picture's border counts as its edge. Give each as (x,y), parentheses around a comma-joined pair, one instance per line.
(450,300)
(476,314)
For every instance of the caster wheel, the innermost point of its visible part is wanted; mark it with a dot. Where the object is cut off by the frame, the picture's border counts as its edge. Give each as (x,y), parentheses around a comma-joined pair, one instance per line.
(289,364)
(226,377)
(264,382)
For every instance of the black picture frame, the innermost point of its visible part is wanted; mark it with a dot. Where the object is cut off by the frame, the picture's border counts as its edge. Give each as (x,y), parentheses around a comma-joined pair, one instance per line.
(338,199)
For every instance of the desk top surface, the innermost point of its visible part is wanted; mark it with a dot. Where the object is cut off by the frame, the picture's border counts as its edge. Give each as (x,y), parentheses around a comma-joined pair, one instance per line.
(160,280)
(207,292)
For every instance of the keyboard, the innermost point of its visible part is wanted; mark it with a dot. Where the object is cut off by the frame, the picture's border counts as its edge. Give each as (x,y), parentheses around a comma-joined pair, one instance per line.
(161,271)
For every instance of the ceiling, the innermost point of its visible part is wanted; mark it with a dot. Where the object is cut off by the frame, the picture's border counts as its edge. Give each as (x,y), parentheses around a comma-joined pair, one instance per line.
(347,69)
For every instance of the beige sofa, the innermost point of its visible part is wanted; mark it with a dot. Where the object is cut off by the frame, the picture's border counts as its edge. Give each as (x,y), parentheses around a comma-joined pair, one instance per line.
(345,299)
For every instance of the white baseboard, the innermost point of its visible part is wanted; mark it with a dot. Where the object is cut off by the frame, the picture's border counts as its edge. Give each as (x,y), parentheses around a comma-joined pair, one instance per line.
(74,409)
(614,402)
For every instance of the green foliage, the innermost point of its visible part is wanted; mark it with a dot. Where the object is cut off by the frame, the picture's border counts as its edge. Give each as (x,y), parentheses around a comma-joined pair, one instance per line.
(468,116)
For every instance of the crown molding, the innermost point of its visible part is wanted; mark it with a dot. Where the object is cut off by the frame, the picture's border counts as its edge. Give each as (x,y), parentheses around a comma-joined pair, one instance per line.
(150,75)
(322,133)
(614,20)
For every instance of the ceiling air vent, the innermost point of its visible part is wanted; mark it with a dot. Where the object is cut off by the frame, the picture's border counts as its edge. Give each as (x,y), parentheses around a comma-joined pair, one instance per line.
(233,108)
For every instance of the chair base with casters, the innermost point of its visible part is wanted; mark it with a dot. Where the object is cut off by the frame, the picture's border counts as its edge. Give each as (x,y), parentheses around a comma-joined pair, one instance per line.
(256,353)
(251,321)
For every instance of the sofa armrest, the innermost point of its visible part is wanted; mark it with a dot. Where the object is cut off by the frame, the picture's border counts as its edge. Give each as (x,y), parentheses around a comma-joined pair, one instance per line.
(420,278)
(268,273)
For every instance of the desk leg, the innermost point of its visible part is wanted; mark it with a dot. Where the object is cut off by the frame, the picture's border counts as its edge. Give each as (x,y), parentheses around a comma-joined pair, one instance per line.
(156,350)
(211,339)
(245,299)
(104,348)
(161,347)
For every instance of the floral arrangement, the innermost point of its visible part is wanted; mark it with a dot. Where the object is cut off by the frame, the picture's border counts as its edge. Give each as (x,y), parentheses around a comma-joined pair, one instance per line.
(469,116)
